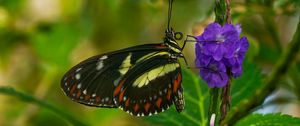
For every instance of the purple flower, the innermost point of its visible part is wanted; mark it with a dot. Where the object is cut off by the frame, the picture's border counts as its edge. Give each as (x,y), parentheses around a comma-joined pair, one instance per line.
(240,49)
(216,40)
(214,74)
(220,50)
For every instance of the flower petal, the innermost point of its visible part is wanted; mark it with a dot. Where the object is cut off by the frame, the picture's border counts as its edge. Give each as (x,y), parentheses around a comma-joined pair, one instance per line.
(236,70)
(244,44)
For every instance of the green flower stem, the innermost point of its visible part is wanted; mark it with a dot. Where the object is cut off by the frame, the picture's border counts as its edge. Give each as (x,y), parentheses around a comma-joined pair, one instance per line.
(280,69)
(220,11)
(28,98)
(214,102)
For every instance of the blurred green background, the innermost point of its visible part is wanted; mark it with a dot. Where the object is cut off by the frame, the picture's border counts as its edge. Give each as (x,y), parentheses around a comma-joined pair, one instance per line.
(41,39)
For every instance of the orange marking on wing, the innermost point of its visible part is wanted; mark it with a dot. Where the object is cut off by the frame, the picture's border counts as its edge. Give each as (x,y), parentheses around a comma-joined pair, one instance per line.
(158,102)
(73,89)
(87,97)
(177,82)
(118,88)
(147,106)
(127,102)
(121,96)
(136,107)
(78,93)
(169,94)
(161,46)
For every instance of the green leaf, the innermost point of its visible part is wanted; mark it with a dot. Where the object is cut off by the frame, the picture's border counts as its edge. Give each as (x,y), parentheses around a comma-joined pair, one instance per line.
(244,86)
(196,96)
(53,43)
(14,6)
(269,120)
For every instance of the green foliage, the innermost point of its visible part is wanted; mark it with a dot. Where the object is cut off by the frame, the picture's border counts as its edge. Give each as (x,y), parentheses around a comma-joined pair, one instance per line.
(29,41)
(54,42)
(196,96)
(12,5)
(28,98)
(269,120)
(244,86)
(196,93)
(294,74)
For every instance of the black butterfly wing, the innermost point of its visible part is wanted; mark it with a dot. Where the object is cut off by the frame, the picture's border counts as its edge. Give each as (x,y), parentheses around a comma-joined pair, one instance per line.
(93,81)
(151,87)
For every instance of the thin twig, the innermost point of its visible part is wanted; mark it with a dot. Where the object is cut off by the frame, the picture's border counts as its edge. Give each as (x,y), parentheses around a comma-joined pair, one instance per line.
(228,13)
(226,100)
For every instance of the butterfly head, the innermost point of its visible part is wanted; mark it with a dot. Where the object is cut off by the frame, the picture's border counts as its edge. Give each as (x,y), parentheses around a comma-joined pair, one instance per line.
(171,39)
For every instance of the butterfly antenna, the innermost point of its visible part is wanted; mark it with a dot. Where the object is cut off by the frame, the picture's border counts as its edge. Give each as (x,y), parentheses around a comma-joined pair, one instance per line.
(170,12)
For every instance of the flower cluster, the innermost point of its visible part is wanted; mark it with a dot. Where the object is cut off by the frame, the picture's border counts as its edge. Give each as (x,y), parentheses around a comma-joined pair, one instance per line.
(220,52)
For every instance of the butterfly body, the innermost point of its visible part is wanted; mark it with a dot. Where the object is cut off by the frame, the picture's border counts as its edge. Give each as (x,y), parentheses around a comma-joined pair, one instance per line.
(142,80)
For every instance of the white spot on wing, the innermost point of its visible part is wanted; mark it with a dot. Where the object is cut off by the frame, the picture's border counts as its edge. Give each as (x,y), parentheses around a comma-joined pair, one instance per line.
(116,82)
(78,69)
(94,95)
(100,65)
(106,99)
(165,90)
(103,57)
(84,92)
(79,86)
(160,93)
(77,76)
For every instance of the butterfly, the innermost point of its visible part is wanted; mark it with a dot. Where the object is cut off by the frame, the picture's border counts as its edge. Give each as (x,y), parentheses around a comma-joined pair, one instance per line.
(141,80)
